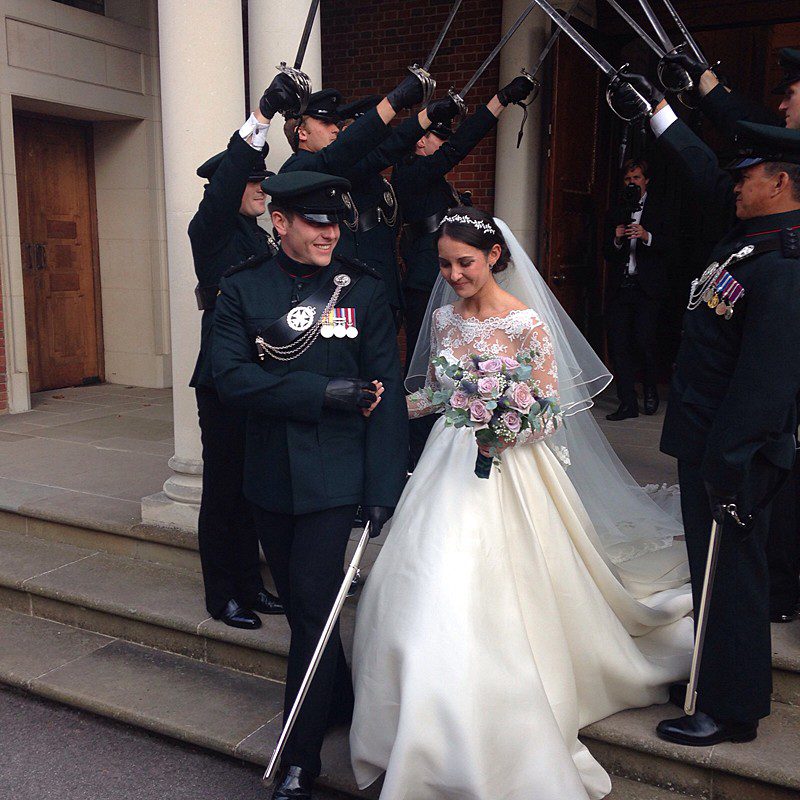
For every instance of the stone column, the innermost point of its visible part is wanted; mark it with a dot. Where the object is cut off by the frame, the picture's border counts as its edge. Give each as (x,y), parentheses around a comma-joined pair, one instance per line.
(517,172)
(274,29)
(202,97)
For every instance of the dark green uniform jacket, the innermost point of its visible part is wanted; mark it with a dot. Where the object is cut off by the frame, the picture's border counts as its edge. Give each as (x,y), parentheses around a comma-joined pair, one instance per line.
(301,457)
(734,390)
(222,237)
(376,246)
(422,191)
(726,108)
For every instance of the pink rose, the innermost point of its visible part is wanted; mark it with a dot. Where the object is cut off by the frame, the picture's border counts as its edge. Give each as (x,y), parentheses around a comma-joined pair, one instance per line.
(489,387)
(509,363)
(459,399)
(490,365)
(513,421)
(478,412)
(521,397)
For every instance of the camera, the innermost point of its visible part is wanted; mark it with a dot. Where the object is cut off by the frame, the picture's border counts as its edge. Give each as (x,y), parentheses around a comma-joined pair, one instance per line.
(630,203)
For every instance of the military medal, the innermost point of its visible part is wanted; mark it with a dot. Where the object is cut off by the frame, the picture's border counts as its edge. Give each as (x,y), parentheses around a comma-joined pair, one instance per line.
(326,329)
(351,331)
(339,323)
(301,318)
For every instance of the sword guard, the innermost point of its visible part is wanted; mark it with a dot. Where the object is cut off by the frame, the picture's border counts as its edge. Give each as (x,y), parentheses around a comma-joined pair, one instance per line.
(460,103)
(427,81)
(644,107)
(663,69)
(301,81)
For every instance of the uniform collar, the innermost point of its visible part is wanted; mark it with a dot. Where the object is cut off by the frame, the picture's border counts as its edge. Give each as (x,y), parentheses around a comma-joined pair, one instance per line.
(770,224)
(295,268)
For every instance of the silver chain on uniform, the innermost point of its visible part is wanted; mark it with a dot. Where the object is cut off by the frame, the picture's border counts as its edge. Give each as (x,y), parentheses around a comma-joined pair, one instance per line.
(708,280)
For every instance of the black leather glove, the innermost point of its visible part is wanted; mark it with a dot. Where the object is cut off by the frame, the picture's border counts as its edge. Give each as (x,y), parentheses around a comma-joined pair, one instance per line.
(377,516)
(718,499)
(516,91)
(442,110)
(406,94)
(349,394)
(280,96)
(686,62)
(627,102)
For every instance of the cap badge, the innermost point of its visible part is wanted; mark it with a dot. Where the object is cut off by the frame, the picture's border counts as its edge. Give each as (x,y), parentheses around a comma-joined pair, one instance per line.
(341,280)
(332,192)
(301,318)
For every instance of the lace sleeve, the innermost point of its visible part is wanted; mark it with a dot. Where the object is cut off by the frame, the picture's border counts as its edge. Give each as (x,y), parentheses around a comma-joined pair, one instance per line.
(419,403)
(545,374)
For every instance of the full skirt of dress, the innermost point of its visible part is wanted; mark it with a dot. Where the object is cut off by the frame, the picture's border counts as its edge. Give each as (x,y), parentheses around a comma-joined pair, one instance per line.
(492,628)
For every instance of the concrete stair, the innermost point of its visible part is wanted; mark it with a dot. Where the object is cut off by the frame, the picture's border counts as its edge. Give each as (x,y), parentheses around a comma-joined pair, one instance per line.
(109,618)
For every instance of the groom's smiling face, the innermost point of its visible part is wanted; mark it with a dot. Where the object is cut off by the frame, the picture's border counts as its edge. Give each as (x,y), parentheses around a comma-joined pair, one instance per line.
(467,269)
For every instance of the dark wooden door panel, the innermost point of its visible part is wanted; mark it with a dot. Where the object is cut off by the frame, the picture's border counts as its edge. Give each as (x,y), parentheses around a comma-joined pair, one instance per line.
(60,276)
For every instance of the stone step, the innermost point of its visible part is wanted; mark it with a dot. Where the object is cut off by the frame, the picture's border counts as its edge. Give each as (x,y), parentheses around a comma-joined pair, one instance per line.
(239,715)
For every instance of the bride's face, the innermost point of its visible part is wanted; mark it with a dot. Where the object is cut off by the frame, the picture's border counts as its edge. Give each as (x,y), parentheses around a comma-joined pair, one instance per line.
(467,269)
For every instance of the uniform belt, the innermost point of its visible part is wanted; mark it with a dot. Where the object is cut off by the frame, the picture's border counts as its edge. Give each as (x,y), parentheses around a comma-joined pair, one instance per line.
(369,219)
(206,296)
(413,230)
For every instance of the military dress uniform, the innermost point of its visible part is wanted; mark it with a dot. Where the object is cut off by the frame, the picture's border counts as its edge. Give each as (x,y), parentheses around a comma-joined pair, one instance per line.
(309,466)
(369,234)
(730,422)
(220,237)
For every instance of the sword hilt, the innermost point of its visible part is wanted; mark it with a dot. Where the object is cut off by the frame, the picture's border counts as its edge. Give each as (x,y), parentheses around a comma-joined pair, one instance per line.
(460,104)
(427,81)
(665,68)
(644,106)
(301,81)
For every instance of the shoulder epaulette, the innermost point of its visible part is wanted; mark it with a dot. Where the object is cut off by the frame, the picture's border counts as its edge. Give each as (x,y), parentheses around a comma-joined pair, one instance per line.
(790,242)
(253,261)
(361,266)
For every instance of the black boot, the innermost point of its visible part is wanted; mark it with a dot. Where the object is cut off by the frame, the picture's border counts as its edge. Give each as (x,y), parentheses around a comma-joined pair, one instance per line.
(237,617)
(625,411)
(701,730)
(294,783)
(267,603)
(650,400)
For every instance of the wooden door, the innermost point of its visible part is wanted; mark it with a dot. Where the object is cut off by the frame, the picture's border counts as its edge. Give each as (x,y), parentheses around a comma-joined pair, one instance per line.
(575,164)
(55,186)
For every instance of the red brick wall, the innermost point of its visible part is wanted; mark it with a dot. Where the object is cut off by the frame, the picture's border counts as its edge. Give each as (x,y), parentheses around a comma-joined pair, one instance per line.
(367,46)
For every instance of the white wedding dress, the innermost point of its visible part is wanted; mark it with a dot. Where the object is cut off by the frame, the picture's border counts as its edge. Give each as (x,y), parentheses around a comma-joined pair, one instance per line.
(493,626)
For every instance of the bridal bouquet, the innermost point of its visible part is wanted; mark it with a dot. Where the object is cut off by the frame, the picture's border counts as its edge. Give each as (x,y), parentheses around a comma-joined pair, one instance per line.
(496,396)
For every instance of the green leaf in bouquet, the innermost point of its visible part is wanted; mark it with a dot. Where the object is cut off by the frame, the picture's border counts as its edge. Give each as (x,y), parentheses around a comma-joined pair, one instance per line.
(524,372)
(485,436)
(441,396)
(491,405)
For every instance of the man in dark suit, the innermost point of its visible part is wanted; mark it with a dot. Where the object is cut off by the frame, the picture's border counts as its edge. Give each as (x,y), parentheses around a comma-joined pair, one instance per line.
(223,232)
(638,245)
(299,340)
(732,414)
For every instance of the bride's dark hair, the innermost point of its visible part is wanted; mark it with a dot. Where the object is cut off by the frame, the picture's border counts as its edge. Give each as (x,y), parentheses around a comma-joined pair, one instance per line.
(477,229)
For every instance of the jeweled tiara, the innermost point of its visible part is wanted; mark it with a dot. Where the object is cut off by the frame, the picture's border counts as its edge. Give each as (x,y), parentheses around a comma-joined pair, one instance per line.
(476,223)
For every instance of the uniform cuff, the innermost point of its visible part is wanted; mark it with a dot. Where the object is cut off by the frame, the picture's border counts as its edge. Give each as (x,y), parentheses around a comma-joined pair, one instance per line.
(661,120)
(254,132)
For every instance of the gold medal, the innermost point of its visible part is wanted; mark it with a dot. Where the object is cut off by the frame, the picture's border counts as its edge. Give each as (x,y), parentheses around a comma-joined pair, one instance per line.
(714,301)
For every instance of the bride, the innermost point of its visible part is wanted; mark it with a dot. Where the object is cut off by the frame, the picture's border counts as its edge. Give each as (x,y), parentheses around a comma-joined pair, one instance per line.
(503,615)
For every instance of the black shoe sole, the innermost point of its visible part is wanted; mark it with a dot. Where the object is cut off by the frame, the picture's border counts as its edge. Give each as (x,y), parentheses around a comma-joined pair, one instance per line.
(690,741)
(272,613)
(232,624)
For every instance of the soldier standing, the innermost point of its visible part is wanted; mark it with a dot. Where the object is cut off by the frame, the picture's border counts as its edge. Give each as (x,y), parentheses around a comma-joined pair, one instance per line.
(224,231)
(425,195)
(732,413)
(299,340)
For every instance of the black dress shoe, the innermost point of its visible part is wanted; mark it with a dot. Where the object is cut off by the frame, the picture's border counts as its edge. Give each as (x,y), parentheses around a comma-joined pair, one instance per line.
(237,617)
(650,400)
(701,730)
(624,412)
(267,603)
(294,783)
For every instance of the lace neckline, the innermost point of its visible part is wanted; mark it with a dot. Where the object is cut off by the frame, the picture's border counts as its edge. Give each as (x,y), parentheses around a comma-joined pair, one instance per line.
(498,319)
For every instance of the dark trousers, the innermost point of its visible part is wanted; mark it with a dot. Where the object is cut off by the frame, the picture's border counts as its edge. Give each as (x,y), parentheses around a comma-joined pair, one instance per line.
(783,546)
(226,536)
(305,553)
(632,322)
(736,670)
(418,429)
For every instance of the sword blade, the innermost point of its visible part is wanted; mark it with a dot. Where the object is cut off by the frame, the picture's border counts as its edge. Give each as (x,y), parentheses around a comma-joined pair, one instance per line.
(552,40)
(657,26)
(684,31)
(689,703)
(500,45)
(301,49)
(637,28)
(336,610)
(453,11)
(589,50)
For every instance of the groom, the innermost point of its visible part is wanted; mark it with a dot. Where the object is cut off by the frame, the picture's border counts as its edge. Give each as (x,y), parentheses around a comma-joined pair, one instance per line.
(732,414)
(298,341)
